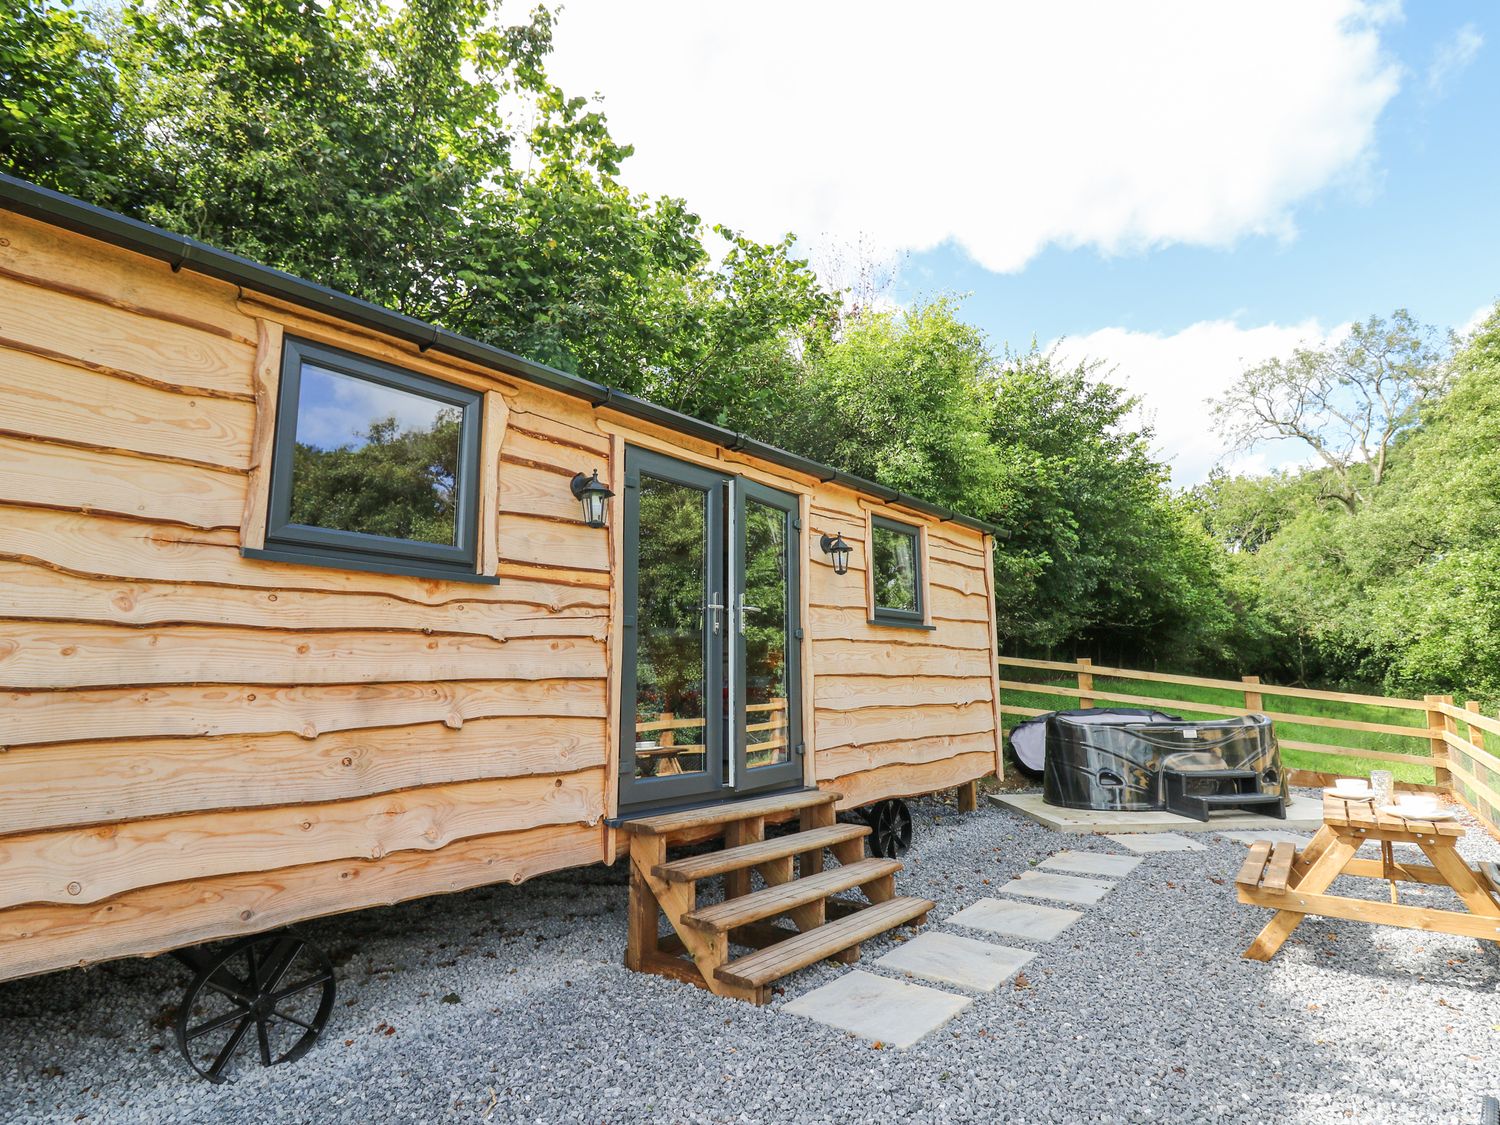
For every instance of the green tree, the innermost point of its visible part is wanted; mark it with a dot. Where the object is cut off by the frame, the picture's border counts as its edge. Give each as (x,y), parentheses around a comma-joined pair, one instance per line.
(60,123)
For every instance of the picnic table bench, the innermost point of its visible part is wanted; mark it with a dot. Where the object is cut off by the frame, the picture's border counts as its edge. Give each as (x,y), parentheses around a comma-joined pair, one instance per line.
(1295,883)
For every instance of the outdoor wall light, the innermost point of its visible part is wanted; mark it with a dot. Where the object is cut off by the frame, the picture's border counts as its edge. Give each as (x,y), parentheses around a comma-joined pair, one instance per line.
(840,551)
(594,497)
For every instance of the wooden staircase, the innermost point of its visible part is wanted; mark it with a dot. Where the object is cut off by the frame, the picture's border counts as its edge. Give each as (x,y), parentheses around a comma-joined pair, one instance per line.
(798,887)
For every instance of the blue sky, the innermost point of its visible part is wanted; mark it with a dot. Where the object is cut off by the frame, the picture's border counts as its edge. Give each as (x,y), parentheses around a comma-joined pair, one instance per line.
(1176,189)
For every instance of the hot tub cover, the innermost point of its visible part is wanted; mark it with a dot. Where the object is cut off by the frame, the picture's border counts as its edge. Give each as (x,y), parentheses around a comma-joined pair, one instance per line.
(1028,741)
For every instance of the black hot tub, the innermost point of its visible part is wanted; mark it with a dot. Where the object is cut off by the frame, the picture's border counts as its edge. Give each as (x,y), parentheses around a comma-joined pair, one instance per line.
(1135,763)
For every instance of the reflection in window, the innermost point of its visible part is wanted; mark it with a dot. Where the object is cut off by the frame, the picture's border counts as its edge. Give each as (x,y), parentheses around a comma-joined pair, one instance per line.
(897,571)
(374,459)
(670,672)
(767,740)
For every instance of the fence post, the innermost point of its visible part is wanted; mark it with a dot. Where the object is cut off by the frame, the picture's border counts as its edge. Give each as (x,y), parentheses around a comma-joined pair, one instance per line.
(1437,724)
(1085,682)
(1253,700)
(1476,736)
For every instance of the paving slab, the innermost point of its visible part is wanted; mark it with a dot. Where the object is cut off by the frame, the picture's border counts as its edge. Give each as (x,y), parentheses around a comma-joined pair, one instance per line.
(1092,863)
(1059,888)
(877,1008)
(1023,920)
(1276,835)
(949,959)
(1147,843)
(1304,813)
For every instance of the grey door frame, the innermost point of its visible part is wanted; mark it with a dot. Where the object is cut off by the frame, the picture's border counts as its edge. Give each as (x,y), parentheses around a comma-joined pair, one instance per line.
(789,772)
(725,496)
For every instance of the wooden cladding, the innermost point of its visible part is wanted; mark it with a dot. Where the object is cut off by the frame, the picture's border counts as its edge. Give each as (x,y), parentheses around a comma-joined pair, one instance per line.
(195,744)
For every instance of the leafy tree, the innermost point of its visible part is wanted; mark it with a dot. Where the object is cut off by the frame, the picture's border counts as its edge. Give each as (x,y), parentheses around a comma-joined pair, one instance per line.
(59,119)
(903,398)
(1349,403)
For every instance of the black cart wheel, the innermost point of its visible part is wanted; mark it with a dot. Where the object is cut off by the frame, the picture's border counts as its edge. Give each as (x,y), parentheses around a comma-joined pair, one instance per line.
(274,988)
(890,827)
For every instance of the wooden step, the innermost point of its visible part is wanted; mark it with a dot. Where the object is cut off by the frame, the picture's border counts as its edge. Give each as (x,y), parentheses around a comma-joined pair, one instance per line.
(776,961)
(724,916)
(664,823)
(748,855)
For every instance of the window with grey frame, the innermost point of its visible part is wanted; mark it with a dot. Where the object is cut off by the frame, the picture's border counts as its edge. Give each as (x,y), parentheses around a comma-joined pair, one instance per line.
(374,468)
(896,574)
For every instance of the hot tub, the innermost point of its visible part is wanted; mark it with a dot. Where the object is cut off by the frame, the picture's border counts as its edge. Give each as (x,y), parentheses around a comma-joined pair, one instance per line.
(1127,763)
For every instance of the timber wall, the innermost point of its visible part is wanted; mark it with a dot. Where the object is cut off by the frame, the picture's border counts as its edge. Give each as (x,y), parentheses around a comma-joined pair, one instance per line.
(194,744)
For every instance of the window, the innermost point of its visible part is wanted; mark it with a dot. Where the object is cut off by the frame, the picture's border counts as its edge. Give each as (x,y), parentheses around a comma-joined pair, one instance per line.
(374,468)
(895,573)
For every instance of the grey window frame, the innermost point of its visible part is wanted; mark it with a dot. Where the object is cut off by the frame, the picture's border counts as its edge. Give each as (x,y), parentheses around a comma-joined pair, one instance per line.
(354,550)
(883,615)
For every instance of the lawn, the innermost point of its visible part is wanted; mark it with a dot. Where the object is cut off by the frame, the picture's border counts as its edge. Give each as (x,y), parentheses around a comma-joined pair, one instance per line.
(1175,696)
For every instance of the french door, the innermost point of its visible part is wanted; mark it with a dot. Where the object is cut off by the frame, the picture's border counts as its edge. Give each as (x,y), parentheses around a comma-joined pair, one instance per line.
(710,676)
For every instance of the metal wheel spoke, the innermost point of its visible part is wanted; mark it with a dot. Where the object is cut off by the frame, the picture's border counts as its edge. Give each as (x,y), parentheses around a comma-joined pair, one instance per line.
(292,990)
(215,1024)
(236,990)
(279,1014)
(281,966)
(265,1041)
(229,1049)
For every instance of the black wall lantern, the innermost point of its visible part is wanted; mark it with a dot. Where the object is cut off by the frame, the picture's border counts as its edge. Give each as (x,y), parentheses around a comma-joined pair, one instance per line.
(839,550)
(594,496)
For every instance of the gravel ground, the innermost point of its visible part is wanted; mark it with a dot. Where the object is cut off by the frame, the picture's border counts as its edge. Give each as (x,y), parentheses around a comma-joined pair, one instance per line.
(1143,1011)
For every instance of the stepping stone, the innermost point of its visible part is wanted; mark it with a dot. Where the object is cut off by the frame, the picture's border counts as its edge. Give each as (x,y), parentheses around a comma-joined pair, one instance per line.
(950,959)
(878,1008)
(1277,835)
(1016,919)
(1146,843)
(1092,863)
(1059,888)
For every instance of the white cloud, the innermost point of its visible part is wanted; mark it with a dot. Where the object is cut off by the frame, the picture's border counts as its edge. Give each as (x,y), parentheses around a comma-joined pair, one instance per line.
(1451,58)
(1476,318)
(1003,127)
(1175,374)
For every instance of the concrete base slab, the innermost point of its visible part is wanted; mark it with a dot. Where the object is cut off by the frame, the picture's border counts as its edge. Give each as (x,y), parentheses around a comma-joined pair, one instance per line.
(1304,814)
(1276,835)
(950,959)
(1092,863)
(1149,844)
(1022,920)
(878,1008)
(1059,888)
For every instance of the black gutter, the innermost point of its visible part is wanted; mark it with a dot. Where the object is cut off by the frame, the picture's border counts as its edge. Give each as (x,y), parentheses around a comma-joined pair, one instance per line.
(182,252)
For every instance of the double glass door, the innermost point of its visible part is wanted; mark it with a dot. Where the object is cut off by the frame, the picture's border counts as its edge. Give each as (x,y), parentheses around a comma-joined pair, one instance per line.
(711,637)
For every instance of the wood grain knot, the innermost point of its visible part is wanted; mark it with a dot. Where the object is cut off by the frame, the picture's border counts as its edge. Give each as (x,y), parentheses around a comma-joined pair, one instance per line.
(75,888)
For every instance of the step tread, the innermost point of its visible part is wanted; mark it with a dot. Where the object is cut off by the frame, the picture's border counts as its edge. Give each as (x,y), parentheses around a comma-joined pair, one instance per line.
(663,823)
(771,901)
(1235,798)
(748,855)
(776,961)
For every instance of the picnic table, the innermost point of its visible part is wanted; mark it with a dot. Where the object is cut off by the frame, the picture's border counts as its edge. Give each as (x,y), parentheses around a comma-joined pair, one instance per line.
(1295,883)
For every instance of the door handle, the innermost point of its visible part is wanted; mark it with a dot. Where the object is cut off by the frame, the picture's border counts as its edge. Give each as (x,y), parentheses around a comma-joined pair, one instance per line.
(714,608)
(744,609)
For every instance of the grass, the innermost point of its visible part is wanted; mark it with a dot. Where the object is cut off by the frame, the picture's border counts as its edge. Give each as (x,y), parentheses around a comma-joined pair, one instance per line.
(1177,699)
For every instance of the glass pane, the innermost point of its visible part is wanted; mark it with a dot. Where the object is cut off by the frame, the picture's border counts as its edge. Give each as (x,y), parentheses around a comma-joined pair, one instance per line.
(374,459)
(895,569)
(767,737)
(670,670)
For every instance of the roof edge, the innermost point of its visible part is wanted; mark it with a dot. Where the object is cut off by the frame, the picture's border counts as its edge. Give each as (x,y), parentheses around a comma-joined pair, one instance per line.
(182,252)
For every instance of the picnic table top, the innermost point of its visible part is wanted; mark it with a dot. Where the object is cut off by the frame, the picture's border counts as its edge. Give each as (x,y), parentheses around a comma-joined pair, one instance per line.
(1361,817)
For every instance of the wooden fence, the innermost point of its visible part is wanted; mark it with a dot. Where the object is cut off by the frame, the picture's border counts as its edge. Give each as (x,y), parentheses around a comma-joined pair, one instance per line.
(1445,739)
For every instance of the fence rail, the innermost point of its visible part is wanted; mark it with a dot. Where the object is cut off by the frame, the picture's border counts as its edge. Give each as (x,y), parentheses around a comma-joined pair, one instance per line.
(1448,745)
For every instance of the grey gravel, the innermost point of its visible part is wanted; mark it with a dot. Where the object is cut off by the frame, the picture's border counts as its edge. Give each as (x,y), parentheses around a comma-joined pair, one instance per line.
(1141,1011)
